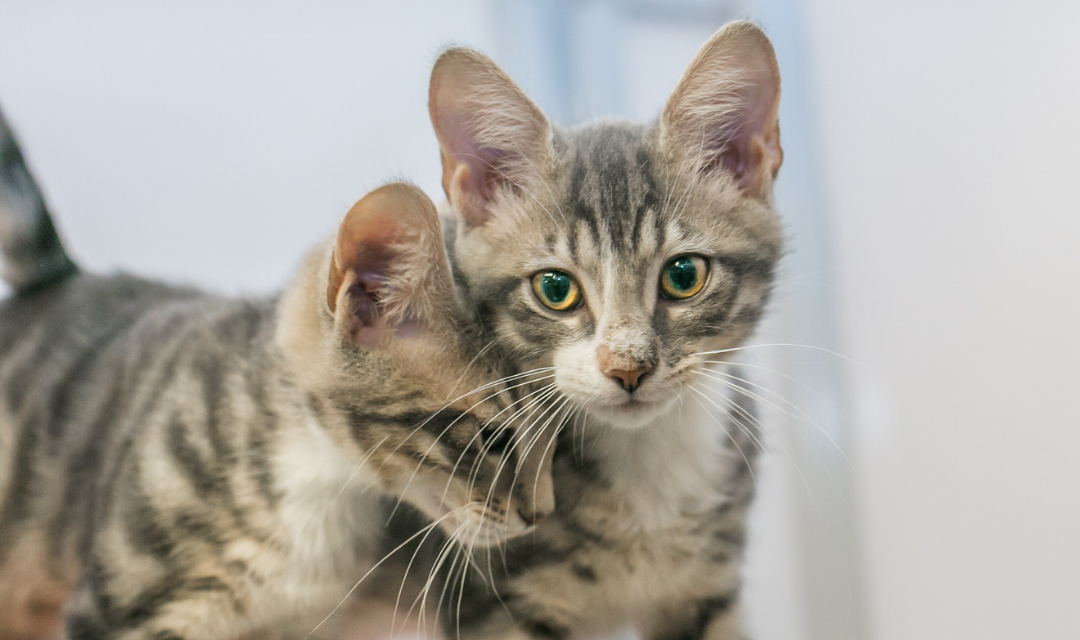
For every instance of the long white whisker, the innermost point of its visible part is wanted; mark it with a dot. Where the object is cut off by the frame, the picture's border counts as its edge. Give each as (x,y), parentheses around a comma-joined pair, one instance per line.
(487,445)
(428,451)
(356,469)
(777,344)
(746,459)
(535,403)
(709,373)
(787,453)
(373,567)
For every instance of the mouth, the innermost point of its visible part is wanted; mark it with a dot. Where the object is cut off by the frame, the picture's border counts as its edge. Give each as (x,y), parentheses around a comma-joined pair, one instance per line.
(631,413)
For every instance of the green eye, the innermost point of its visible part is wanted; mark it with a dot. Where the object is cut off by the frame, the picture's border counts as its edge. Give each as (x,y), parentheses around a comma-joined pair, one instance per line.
(683,277)
(556,290)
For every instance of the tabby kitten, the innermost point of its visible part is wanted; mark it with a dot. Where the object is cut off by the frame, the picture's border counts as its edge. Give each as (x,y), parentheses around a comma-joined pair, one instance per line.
(198,467)
(631,258)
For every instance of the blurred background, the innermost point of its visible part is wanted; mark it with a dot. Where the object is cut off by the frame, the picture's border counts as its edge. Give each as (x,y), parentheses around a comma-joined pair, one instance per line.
(926,483)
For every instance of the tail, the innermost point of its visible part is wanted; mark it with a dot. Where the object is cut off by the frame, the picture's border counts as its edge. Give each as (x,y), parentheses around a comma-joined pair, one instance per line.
(33,256)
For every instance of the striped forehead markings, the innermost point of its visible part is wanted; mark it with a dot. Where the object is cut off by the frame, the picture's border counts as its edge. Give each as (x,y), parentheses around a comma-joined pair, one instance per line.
(612,190)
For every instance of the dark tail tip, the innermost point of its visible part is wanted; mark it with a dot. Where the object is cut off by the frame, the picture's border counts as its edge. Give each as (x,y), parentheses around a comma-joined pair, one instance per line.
(33,255)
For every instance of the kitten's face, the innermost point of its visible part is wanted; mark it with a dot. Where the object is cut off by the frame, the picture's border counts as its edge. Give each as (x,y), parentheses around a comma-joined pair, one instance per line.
(372,332)
(616,253)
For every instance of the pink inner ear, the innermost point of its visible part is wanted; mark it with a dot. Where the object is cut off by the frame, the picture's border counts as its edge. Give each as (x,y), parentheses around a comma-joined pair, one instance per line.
(471,172)
(489,131)
(388,265)
(748,146)
(365,311)
(724,111)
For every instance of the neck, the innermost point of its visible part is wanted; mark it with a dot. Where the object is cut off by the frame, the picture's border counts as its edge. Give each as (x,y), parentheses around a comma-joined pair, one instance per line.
(669,468)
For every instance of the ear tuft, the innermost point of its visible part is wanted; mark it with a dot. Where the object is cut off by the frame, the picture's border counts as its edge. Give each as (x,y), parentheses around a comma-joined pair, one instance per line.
(724,113)
(490,133)
(389,273)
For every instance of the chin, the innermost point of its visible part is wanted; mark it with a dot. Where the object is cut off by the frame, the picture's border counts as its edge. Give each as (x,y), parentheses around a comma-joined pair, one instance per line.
(632,414)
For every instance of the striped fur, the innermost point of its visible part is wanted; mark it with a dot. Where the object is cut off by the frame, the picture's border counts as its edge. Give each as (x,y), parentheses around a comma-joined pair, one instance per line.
(653,484)
(179,465)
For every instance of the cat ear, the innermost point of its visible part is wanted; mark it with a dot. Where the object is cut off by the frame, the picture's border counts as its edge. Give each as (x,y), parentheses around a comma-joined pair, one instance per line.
(491,135)
(724,112)
(389,274)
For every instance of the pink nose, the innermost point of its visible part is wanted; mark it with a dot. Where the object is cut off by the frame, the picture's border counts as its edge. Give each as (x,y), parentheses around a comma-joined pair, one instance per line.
(628,372)
(629,379)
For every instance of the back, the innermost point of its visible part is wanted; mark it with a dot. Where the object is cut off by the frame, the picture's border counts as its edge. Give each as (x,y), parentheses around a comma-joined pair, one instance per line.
(73,355)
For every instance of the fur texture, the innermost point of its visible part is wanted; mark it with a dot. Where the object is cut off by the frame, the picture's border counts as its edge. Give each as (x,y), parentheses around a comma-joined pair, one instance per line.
(196,467)
(653,480)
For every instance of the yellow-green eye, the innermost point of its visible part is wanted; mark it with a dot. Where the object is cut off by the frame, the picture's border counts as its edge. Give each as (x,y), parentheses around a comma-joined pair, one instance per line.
(556,290)
(683,277)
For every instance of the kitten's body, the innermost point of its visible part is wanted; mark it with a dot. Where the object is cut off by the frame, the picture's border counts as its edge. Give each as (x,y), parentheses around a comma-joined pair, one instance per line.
(654,470)
(157,429)
(200,468)
(648,533)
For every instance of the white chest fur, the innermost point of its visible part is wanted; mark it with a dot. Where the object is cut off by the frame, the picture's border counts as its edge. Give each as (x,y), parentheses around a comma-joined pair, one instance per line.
(667,471)
(328,527)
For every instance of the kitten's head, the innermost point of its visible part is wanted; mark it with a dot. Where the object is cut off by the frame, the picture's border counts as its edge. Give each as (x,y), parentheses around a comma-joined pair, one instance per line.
(616,252)
(372,333)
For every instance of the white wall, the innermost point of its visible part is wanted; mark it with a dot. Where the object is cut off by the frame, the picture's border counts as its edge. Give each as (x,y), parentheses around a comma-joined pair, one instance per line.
(213,142)
(949,138)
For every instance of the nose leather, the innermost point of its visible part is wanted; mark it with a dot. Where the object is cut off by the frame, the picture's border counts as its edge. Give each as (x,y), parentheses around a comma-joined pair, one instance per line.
(629,379)
(626,372)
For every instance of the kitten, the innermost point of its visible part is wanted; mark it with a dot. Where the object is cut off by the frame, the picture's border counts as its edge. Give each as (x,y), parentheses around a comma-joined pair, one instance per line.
(198,467)
(631,258)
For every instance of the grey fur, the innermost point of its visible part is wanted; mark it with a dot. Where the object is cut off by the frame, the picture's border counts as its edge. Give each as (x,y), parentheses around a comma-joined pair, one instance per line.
(652,496)
(197,467)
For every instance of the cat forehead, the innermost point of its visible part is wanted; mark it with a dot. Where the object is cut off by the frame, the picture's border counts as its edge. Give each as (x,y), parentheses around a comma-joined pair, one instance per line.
(616,194)
(609,172)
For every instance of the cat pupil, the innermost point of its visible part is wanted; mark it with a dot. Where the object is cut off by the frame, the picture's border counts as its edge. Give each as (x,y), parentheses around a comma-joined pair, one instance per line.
(556,286)
(683,273)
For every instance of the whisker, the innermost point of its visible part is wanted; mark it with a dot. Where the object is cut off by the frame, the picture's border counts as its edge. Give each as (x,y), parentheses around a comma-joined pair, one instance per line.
(478,403)
(777,372)
(357,467)
(486,446)
(535,404)
(746,459)
(467,367)
(709,373)
(373,567)
(545,391)
(777,344)
(748,429)
(785,450)
(408,568)
(440,561)
(551,440)
(428,451)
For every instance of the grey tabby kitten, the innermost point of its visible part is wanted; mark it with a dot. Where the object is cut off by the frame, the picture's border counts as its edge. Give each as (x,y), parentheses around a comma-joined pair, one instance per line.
(630,258)
(194,467)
